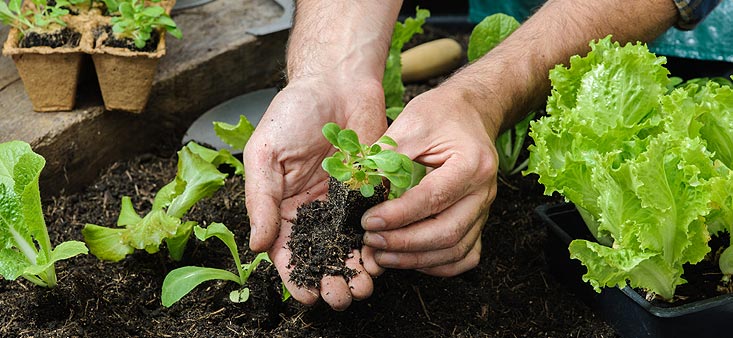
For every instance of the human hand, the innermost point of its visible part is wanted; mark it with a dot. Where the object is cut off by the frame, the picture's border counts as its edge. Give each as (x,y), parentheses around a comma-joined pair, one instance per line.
(436,226)
(283,160)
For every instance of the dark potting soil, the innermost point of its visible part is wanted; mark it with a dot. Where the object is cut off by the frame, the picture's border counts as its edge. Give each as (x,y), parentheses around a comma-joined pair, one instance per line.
(326,232)
(65,37)
(111,41)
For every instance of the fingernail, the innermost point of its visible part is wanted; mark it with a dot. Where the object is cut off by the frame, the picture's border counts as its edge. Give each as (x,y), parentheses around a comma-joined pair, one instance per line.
(374,223)
(386,259)
(375,240)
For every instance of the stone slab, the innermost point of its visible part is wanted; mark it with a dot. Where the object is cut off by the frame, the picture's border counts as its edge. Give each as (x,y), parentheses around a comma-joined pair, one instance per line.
(216,60)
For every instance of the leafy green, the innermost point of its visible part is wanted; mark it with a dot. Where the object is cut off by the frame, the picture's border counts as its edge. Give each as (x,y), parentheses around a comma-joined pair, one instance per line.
(235,135)
(489,33)
(394,89)
(197,178)
(25,248)
(181,281)
(647,165)
(362,166)
(41,18)
(138,21)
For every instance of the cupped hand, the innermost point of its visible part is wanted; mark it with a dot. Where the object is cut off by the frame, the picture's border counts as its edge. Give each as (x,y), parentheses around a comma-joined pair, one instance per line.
(283,162)
(436,226)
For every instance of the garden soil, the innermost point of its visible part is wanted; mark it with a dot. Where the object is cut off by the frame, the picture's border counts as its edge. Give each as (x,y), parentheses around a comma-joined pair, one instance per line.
(509,294)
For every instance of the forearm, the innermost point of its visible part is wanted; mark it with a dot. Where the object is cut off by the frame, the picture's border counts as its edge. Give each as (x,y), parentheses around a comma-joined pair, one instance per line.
(512,79)
(346,38)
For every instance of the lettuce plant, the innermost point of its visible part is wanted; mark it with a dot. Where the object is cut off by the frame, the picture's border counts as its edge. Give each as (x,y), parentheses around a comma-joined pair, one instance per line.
(197,177)
(394,89)
(138,21)
(43,19)
(361,166)
(648,168)
(181,281)
(25,248)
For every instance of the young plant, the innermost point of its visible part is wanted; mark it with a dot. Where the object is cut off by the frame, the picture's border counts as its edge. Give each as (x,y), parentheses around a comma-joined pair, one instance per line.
(181,281)
(138,22)
(198,177)
(43,18)
(394,89)
(362,166)
(25,247)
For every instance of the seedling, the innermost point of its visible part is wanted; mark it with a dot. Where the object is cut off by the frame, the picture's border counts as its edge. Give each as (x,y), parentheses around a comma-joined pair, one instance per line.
(25,248)
(362,166)
(181,281)
(43,19)
(137,22)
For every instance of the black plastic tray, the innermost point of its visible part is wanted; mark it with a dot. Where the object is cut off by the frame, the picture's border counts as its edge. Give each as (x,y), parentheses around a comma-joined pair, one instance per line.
(625,310)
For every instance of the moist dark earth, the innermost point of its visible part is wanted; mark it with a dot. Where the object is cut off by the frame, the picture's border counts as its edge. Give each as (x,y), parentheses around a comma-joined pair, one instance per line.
(325,233)
(64,37)
(511,293)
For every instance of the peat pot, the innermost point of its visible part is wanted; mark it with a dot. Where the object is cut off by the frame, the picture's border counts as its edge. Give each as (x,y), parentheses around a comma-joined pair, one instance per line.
(629,313)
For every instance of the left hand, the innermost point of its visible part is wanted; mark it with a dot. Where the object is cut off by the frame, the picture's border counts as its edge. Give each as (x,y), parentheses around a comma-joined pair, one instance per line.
(436,226)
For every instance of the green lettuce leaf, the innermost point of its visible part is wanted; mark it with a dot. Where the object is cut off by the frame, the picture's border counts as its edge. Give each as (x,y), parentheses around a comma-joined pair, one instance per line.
(489,33)
(394,89)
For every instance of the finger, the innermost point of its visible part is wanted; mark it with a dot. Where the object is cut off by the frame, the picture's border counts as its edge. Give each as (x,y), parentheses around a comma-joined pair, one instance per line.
(443,187)
(443,231)
(280,256)
(263,191)
(449,270)
(428,259)
(335,292)
(361,285)
(370,265)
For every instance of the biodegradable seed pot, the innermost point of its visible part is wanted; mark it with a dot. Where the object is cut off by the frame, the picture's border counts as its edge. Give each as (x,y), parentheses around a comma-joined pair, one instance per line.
(125,38)
(125,66)
(48,58)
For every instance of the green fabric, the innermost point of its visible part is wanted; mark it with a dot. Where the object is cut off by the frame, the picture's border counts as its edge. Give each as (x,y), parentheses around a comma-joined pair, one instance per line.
(708,41)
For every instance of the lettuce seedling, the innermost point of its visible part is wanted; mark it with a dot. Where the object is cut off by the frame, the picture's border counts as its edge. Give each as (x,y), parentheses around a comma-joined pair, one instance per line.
(198,177)
(137,22)
(394,89)
(181,281)
(362,166)
(25,248)
(43,19)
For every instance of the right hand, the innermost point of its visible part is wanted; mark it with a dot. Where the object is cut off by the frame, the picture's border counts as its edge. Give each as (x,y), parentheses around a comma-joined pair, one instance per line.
(283,162)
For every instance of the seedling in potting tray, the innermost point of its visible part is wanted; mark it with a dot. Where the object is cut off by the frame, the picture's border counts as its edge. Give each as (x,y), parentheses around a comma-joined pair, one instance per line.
(26,249)
(361,166)
(40,19)
(181,281)
(138,22)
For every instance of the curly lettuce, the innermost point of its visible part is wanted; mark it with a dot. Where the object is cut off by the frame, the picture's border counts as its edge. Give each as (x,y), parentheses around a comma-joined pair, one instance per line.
(647,167)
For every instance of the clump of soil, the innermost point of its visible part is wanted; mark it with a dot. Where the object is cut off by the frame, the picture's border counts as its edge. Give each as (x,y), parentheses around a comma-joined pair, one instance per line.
(65,37)
(111,41)
(326,232)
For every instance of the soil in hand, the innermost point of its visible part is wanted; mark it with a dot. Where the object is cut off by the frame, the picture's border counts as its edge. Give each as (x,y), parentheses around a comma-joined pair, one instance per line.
(326,232)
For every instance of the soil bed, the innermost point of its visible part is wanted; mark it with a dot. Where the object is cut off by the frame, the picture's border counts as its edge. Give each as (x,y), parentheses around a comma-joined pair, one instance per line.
(509,294)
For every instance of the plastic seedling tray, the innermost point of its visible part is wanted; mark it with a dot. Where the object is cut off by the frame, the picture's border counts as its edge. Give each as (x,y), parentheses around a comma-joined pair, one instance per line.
(625,310)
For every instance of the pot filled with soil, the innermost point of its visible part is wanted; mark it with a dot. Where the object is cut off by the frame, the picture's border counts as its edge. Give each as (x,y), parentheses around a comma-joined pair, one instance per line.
(128,44)
(46,44)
